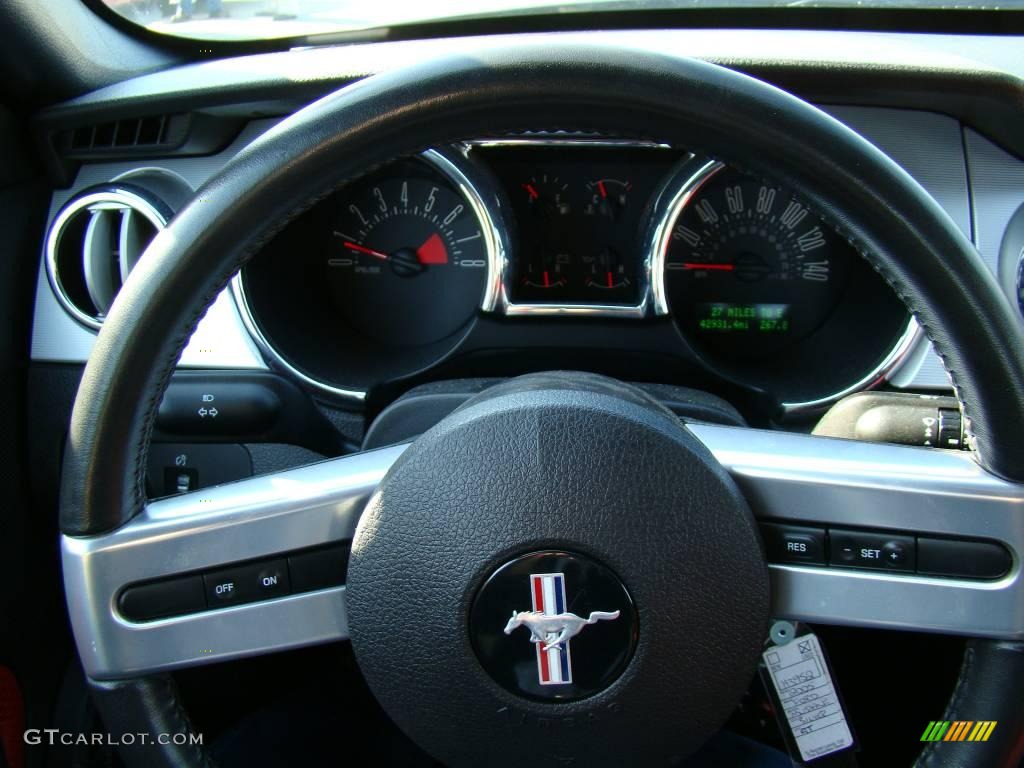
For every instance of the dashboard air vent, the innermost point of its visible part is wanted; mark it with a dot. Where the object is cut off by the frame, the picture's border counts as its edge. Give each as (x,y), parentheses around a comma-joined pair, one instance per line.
(123,137)
(95,241)
(136,132)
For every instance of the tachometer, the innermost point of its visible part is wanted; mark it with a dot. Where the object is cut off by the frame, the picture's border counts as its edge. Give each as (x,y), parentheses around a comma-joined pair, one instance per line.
(749,269)
(406,259)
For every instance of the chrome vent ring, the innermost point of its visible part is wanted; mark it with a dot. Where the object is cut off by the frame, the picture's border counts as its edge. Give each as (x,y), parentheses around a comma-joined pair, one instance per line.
(95,241)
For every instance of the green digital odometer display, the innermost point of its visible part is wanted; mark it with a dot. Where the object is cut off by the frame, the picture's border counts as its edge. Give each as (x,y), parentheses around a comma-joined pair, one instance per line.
(753,319)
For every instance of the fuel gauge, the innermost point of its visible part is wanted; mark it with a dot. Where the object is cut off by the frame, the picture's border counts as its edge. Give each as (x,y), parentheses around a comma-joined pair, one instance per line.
(547,196)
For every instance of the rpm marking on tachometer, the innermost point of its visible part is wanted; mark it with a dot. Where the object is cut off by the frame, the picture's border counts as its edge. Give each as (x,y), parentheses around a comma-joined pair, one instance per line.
(440,246)
(406,259)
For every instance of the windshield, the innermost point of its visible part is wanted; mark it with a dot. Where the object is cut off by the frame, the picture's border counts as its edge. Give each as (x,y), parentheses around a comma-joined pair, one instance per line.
(269,19)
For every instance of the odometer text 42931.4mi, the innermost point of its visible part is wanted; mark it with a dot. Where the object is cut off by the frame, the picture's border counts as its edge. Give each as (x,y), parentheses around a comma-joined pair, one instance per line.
(406,259)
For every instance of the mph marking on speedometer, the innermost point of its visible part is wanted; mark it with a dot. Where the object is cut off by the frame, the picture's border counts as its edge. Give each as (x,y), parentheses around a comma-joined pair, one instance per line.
(750,266)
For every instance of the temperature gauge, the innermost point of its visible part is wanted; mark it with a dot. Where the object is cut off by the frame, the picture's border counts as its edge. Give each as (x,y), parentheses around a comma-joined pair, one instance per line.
(607,198)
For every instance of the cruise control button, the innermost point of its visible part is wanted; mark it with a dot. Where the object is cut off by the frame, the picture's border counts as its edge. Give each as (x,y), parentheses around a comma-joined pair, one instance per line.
(877,550)
(248,583)
(222,589)
(271,579)
(160,599)
(794,544)
(319,568)
(965,559)
(895,553)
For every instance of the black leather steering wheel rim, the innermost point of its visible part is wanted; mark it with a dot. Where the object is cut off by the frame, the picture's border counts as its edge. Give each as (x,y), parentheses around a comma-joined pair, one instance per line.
(884,213)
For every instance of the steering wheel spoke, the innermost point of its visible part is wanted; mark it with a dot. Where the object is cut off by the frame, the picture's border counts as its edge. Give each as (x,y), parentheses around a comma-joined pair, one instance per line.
(263,518)
(845,484)
(797,479)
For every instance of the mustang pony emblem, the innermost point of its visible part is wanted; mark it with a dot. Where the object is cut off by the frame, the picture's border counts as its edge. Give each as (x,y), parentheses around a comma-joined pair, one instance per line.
(551,627)
(562,625)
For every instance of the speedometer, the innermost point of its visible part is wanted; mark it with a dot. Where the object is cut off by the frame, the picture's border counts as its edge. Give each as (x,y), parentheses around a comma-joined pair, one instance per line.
(749,269)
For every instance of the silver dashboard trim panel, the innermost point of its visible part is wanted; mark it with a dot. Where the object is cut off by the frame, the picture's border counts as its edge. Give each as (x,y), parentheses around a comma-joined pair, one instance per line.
(220,340)
(784,476)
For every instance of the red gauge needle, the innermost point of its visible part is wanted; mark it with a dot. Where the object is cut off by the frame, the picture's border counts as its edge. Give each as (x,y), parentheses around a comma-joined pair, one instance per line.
(364,249)
(531,191)
(710,267)
(601,189)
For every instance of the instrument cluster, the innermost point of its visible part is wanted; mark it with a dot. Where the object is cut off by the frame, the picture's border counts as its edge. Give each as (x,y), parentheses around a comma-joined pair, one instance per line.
(500,257)
(579,213)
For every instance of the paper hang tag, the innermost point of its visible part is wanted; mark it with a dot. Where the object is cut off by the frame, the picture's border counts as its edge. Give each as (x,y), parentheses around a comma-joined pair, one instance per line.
(808,697)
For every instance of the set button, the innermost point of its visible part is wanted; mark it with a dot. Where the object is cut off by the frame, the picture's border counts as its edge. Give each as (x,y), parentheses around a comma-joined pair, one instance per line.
(868,549)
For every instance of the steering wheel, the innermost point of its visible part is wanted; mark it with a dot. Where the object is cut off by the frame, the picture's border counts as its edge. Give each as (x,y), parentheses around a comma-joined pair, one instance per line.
(517,487)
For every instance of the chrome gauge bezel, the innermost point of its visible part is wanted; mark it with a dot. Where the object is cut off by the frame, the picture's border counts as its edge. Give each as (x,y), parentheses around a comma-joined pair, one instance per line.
(510,308)
(486,204)
(115,196)
(684,183)
(668,207)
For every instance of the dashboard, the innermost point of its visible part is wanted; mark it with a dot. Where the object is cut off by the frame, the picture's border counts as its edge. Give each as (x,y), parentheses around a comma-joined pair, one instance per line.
(553,249)
(660,253)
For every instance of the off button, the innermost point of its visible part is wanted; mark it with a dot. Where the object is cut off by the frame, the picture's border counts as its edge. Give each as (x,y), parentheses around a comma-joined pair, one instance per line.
(223,589)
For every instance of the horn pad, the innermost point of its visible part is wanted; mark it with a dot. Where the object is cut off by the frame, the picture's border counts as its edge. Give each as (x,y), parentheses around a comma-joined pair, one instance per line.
(590,468)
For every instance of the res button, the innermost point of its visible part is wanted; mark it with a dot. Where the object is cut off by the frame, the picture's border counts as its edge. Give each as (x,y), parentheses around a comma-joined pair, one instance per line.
(794,544)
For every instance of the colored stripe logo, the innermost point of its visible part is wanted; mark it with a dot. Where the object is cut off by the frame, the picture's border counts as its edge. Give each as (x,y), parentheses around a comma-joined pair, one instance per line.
(959,730)
(554,665)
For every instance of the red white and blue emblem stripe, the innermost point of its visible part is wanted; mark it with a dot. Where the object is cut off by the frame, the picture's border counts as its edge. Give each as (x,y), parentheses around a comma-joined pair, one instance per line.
(554,666)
